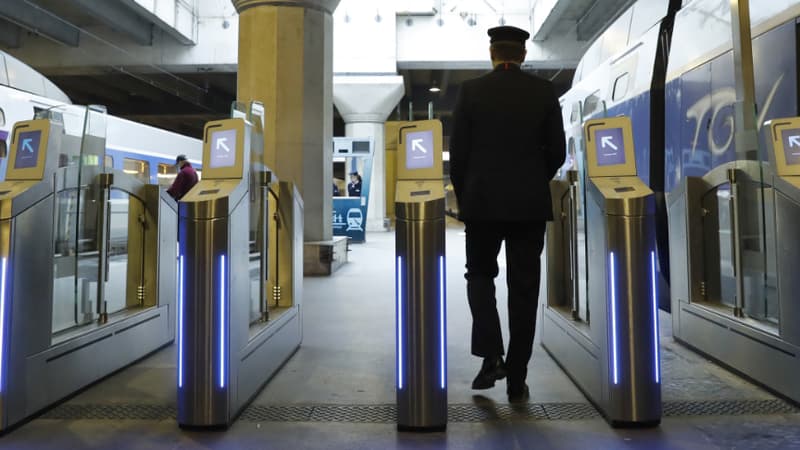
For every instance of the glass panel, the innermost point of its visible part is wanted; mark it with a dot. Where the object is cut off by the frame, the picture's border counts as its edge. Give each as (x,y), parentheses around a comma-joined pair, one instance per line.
(138,168)
(727,279)
(582,250)
(591,104)
(752,248)
(734,222)
(576,113)
(258,214)
(772,201)
(72,304)
(166,174)
(621,86)
(68,310)
(89,204)
(109,162)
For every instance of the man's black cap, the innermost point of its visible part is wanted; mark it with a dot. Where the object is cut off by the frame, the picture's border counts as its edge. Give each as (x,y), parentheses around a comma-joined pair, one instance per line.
(180,158)
(353,173)
(508,34)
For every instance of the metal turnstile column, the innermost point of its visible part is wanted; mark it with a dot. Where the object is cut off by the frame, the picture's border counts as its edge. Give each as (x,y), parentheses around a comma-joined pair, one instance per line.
(622,264)
(421,340)
(230,340)
(600,322)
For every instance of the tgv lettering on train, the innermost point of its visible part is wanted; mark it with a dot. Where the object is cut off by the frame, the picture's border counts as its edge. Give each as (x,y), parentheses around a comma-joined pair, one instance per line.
(719,104)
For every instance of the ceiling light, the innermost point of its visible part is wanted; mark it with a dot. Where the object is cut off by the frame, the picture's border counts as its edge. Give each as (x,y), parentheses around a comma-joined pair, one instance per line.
(434,87)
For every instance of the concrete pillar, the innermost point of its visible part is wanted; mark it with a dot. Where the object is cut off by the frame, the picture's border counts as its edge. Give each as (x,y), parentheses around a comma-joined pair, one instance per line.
(286,62)
(364,103)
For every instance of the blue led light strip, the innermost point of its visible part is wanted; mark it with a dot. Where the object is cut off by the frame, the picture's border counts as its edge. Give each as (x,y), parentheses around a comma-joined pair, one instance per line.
(655,316)
(399,322)
(222,321)
(180,322)
(2,321)
(442,332)
(613,270)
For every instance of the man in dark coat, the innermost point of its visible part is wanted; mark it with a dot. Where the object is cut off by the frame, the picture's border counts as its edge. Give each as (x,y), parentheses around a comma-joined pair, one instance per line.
(506,144)
(186,179)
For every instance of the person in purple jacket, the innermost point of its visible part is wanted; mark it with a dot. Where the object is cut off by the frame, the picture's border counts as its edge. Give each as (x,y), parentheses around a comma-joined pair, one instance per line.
(186,179)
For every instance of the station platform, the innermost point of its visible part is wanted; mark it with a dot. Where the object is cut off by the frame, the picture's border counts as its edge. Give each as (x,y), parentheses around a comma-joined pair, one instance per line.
(337,391)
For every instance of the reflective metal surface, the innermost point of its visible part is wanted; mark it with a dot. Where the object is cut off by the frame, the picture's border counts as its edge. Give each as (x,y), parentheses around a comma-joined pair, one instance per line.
(50,235)
(736,255)
(614,358)
(239,285)
(419,253)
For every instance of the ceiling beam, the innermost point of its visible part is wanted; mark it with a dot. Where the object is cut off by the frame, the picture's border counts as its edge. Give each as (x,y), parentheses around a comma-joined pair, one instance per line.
(10,34)
(599,16)
(120,18)
(545,15)
(40,21)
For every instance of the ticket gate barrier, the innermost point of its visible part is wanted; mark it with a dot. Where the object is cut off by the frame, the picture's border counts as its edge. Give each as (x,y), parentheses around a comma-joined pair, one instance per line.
(238,252)
(87,258)
(735,253)
(420,279)
(600,319)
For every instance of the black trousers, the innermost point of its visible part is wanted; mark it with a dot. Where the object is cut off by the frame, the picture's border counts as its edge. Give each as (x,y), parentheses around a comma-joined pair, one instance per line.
(524,242)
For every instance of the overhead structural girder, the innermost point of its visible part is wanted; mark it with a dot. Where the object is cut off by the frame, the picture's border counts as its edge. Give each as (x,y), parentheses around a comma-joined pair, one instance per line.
(120,18)
(598,17)
(40,21)
(10,34)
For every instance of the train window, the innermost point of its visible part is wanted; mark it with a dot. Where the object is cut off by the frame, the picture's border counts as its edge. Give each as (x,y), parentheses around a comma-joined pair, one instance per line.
(592,103)
(621,86)
(167,169)
(2,117)
(575,115)
(166,174)
(138,168)
(108,162)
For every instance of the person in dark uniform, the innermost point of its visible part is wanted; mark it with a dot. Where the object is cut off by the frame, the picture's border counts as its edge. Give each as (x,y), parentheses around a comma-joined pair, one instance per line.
(186,179)
(507,142)
(354,187)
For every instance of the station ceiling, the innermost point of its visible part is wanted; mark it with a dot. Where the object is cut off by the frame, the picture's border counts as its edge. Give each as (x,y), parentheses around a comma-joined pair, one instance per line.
(183,102)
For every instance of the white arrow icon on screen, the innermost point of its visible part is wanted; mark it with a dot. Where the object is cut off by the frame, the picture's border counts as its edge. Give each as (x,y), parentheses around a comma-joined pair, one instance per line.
(794,141)
(221,144)
(608,141)
(26,145)
(416,145)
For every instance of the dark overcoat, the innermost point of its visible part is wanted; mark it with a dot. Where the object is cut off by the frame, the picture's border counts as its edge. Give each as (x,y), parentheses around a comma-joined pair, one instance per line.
(506,144)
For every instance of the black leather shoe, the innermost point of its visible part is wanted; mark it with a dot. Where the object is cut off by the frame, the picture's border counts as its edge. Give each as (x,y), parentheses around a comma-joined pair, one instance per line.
(493,369)
(518,394)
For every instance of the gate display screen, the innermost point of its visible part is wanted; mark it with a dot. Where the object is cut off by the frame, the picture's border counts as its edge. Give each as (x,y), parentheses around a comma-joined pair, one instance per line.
(223,149)
(610,147)
(28,149)
(419,150)
(791,146)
